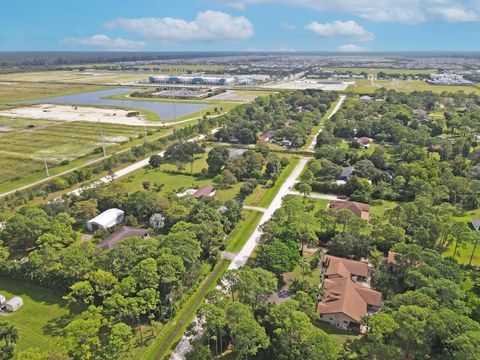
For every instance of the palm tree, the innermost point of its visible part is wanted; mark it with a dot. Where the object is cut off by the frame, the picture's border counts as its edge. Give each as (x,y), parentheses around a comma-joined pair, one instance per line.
(8,335)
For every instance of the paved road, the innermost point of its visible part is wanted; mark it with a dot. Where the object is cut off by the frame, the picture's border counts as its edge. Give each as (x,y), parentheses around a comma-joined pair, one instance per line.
(184,346)
(316,196)
(312,145)
(127,170)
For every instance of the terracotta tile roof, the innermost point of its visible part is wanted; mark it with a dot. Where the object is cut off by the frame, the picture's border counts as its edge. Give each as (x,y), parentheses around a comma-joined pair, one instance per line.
(123,233)
(338,265)
(342,294)
(358,209)
(391,258)
(204,191)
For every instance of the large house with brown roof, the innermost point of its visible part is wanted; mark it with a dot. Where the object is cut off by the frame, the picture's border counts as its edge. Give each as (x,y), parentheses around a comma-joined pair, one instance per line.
(123,233)
(358,209)
(347,295)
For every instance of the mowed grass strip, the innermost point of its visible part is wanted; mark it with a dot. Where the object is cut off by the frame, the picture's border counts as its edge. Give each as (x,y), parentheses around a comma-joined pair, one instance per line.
(369,87)
(174,330)
(40,320)
(243,231)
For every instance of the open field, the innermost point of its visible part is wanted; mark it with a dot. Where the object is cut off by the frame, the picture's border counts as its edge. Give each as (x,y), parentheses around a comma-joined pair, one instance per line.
(80,77)
(243,96)
(23,148)
(367,86)
(18,91)
(375,71)
(464,253)
(40,319)
(77,113)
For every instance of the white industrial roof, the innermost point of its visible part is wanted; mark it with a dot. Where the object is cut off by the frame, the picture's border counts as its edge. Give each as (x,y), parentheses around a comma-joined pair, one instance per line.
(108,217)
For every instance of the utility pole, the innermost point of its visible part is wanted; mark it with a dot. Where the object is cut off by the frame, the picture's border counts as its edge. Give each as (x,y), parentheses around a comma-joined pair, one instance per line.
(46,165)
(101,137)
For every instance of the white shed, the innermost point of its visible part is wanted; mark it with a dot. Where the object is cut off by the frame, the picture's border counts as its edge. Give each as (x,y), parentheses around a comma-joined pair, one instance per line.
(106,219)
(2,300)
(14,304)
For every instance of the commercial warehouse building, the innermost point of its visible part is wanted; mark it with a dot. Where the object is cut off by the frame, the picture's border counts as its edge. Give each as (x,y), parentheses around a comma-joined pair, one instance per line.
(189,80)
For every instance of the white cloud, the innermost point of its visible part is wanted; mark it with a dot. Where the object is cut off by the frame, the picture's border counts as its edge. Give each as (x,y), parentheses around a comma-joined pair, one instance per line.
(282,48)
(455,14)
(350,48)
(400,11)
(288,26)
(340,29)
(209,26)
(105,42)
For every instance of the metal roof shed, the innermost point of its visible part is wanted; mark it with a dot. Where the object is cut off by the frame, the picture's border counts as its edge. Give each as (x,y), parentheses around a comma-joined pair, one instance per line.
(14,304)
(106,219)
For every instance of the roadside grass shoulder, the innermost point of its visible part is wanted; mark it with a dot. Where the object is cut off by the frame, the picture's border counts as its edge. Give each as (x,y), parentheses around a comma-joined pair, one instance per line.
(270,194)
(243,231)
(173,331)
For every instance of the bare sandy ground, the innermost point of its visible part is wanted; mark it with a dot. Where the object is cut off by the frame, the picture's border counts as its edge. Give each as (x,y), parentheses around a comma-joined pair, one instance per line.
(76,113)
(311,84)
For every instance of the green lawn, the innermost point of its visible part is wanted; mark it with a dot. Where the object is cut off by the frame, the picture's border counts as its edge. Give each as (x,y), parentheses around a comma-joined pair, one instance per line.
(41,318)
(312,276)
(243,231)
(16,91)
(464,253)
(338,336)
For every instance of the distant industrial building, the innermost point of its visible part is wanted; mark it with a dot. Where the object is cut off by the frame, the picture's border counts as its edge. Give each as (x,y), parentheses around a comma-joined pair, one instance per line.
(190,80)
(448,79)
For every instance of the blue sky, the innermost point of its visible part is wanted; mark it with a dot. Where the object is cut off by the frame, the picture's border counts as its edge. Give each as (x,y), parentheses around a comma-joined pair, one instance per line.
(308,25)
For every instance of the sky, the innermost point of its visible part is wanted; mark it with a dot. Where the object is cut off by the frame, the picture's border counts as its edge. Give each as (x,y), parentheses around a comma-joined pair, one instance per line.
(240,25)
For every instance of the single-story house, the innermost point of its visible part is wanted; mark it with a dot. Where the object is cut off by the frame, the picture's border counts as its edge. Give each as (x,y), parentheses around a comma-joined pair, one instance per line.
(286,143)
(204,192)
(347,298)
(363,142)
(360,210)
(106,219)
(476,223)
(123,233)
(267,135)
(235,153)
(366,98)
(346,173)
(14,304)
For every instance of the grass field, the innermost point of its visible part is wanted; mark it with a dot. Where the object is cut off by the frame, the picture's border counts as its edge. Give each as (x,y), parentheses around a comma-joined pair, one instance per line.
(18,91)
(23,149)
(367,86)
(338,336)
(40,319)
(375,71)
(72,76)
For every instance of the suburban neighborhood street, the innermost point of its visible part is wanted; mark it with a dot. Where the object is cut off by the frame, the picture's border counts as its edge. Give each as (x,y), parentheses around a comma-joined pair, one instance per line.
(184,345)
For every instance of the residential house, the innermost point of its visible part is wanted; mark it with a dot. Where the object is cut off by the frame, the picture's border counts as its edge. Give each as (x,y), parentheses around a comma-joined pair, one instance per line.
(123,233)
(346,173)
(358,209)
(366,98)
(476,223)
(362,142)
(347,296)
(204,192)
(267,136)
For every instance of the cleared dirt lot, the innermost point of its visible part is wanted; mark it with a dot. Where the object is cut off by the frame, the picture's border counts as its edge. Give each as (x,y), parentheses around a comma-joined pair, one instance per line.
(76,113)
